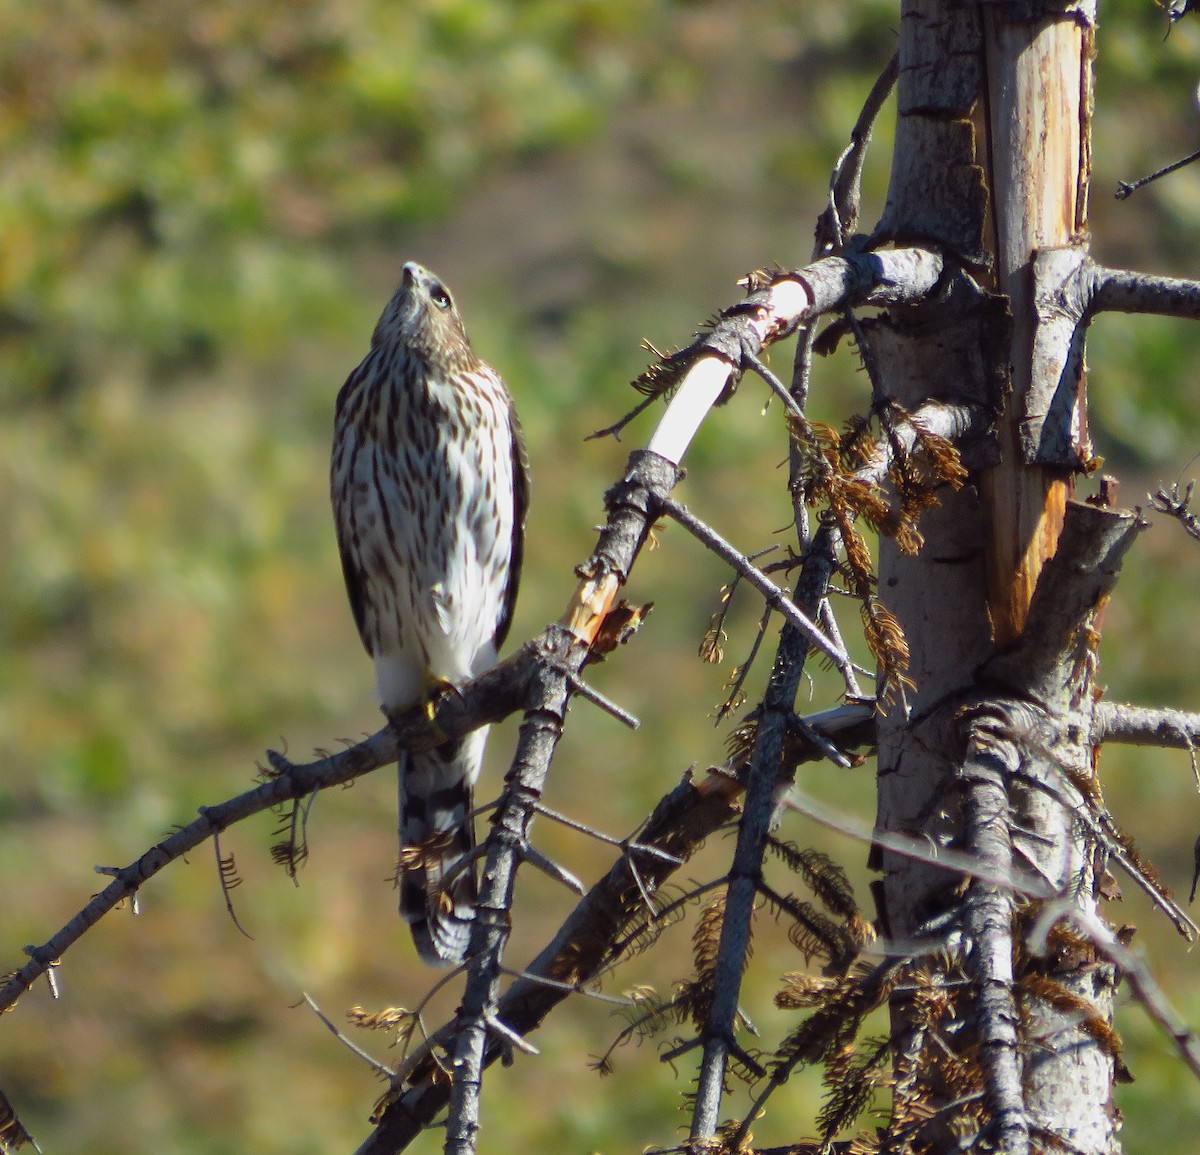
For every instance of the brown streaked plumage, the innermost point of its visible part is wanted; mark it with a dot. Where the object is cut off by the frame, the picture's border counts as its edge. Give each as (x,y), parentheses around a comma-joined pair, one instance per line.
(430,489)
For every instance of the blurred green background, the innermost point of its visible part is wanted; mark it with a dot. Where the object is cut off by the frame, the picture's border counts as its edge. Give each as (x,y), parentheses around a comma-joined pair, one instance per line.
(203,208)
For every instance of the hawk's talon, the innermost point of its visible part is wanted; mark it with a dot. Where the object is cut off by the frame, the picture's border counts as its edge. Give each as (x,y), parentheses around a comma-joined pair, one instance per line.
(435,690)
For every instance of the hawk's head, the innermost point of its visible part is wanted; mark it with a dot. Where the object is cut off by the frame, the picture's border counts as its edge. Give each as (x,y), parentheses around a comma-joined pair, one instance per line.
(422,316)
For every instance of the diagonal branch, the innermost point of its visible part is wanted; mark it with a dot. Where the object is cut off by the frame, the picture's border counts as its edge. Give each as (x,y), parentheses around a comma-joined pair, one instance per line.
(479,1015)
(702,374)
(764,775)
(1060,632)
(1133,970)
(775,597)
(489,698)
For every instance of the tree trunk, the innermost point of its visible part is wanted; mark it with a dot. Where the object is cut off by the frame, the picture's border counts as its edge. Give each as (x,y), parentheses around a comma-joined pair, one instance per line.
(991,751)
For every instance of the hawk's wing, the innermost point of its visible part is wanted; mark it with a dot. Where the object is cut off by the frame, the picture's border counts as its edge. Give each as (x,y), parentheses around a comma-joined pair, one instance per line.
(520,472)
(342,424)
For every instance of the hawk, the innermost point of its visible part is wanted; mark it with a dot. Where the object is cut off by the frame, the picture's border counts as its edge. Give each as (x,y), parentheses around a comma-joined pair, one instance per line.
(429,482)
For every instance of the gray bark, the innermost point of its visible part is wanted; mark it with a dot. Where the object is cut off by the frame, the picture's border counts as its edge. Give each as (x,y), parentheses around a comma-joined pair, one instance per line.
(993,750)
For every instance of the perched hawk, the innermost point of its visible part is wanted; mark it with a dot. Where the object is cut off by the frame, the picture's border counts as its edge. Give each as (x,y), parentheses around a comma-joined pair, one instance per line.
(430,488)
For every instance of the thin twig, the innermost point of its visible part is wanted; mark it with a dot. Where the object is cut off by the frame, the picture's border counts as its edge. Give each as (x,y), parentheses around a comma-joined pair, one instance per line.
(1018,882)
(1176,505)
(569,988)
(590,694)
(1147,992)
(799,725)
(840,218)
(227,873)
(380,1068)
(829,624)
(626,844)
(1108,834)
(1128,188)
(734,697)
(781,1072)
(1103,827)
(508,1035)
(774,595)
(614,430)
(777,387)
(552,870)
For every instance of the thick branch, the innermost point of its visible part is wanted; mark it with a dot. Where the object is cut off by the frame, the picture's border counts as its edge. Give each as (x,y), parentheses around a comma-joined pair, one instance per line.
(1069,289)
(701,375)
(764,775)
(1123,291)
(1145,726)
(991,759)
(1059,633)
(540,732)
(489,698)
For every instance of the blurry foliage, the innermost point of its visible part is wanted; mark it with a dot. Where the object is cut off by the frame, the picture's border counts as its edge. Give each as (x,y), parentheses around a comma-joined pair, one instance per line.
(202,207)
(179,175)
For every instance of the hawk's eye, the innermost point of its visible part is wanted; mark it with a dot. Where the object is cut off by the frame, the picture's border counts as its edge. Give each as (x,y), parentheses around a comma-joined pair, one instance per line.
(439,296)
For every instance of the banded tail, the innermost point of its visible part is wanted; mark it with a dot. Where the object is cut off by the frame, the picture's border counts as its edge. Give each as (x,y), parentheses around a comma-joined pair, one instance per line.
(438,891)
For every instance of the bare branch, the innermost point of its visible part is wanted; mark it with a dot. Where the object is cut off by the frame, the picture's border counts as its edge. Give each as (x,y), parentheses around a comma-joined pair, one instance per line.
(775,597)
(992,756)
(1059,637)
(1177,505)
(626,844)
(230,880)
(958,424)
(1123,291)
(1128,188)
(551,869)
(733,695)
(296,781)
(489,698)
(840,217)
(1145,726)
(507,844)
(614,430)
(349,1044)
(830,625)
(590,694)
(1017,881)
(764,774)
(700,375)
